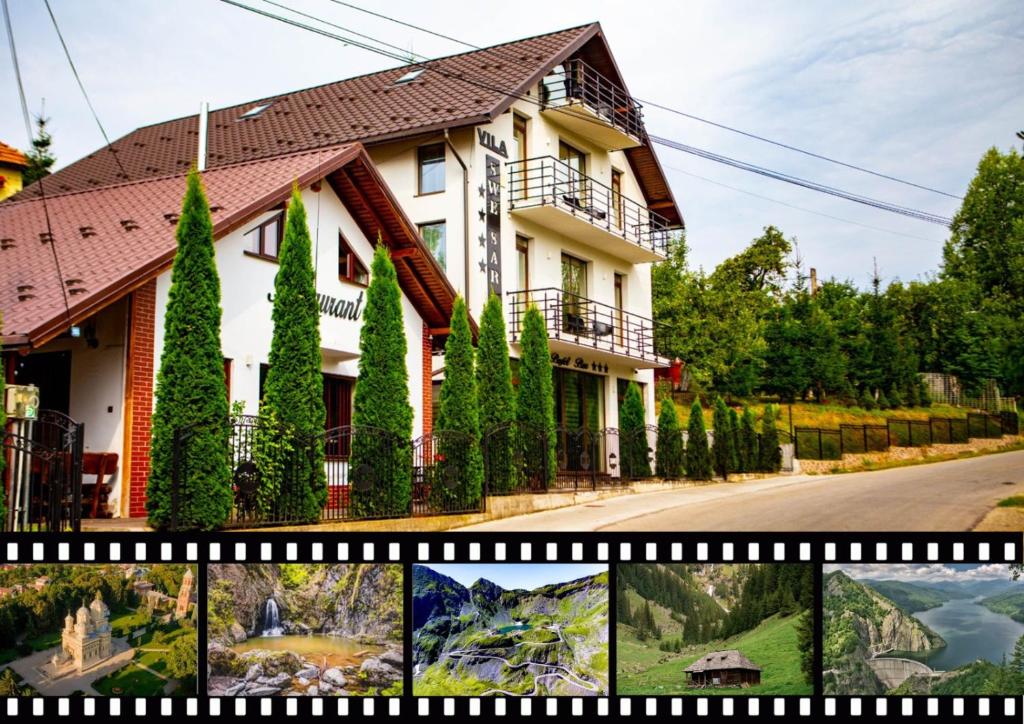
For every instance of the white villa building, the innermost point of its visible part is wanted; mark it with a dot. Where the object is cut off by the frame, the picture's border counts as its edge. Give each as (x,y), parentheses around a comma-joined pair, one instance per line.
(530,177)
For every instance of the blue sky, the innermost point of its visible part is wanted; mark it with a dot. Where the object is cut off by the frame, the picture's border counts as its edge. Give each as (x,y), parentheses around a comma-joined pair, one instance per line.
(915,90)
(517,575)
(933,572)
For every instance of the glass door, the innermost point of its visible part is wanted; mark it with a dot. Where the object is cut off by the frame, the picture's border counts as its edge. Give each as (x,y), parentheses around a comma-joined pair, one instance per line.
(574,291)
(618,308)
(574,170)
(522,174)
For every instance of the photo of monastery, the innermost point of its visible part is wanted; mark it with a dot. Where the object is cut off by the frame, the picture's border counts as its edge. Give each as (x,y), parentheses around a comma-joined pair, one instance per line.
(97,630)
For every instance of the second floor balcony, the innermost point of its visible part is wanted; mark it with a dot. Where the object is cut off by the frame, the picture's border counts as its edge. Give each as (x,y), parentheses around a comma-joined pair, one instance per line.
(577,97)
(556,195)
(580,326)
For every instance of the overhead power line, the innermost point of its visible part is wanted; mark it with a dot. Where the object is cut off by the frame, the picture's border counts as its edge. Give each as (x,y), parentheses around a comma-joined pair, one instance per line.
(676,111)
(81,87)
(489,85)
(795,207)
(797,181)
(50,238)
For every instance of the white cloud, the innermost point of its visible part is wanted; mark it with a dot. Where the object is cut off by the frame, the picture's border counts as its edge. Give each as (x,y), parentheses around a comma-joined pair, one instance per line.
(930,572)
(918,91)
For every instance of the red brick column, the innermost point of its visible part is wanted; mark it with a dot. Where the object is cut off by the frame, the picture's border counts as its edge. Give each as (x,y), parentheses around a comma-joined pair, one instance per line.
(428,382)
(139,398)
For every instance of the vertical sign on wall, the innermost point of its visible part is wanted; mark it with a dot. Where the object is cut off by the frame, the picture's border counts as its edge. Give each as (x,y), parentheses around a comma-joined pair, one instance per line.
(493,220)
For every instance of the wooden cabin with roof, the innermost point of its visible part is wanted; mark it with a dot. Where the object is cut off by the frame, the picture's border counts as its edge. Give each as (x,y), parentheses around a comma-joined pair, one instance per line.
(722,668)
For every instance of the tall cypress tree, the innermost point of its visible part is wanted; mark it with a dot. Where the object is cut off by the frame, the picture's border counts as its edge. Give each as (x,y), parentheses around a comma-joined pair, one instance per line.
(749,462)
(722,454)
(770,452)
(190,386)
(535,401)
(734,428)
(497,397)
(633,435)
(381,412)
(461,486)
(294,389)
(669,454)
(698,459)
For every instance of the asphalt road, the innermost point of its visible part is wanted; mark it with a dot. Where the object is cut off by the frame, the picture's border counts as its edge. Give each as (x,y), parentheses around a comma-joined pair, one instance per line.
(946,496)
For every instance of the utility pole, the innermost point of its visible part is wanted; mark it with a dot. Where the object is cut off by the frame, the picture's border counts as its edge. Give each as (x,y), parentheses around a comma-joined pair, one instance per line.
(814,282)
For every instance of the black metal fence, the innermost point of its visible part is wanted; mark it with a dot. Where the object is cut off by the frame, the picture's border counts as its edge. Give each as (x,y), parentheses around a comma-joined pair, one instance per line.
(43,475)
(370,473)
(813,443)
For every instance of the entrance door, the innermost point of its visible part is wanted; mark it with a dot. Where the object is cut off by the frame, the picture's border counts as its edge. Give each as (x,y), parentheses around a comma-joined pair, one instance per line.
(338,403)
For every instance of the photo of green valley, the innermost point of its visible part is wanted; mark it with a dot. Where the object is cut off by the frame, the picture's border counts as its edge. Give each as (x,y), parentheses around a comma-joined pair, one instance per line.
(936,629)
(304,629)
(510,630)
(714,629)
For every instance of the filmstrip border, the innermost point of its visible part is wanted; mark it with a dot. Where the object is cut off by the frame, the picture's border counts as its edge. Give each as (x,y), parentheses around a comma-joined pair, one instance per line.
(724,708)
(611,548)
(201,549)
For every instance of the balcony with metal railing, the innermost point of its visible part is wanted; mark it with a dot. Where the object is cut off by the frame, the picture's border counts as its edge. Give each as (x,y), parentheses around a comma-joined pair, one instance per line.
(577,97)
(552,193)
(576,324)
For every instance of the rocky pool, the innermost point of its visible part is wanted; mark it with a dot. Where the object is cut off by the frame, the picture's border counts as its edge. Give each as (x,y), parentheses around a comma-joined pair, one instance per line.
(323,650)
(312,665)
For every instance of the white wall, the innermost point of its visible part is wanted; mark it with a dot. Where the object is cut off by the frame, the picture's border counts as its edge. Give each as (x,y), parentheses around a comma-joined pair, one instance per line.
(246,324)
(397,163)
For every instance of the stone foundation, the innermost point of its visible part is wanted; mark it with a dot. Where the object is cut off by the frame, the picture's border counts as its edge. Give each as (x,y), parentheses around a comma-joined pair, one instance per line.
(898,454)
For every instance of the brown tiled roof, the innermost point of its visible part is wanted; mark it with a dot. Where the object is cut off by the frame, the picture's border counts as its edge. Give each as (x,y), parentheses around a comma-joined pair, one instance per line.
(369,109)
(113,239)
(11,156)
(718,660)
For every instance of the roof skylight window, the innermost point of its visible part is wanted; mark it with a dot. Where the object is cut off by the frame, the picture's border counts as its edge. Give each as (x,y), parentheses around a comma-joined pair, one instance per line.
(410,76)
(254,111)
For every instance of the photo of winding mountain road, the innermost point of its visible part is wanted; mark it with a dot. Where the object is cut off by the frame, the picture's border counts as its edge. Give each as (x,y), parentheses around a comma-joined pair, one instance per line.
(543,631)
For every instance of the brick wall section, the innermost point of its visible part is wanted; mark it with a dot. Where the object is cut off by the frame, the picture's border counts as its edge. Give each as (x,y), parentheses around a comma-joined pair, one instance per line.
(428,382)
(141,361)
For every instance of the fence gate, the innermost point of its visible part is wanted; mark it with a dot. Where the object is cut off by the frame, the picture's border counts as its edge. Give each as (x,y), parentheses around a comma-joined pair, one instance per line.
(43,475)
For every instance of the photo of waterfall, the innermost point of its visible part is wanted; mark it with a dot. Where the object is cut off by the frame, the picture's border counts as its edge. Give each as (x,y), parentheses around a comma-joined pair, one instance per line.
(271,619)
(297,629)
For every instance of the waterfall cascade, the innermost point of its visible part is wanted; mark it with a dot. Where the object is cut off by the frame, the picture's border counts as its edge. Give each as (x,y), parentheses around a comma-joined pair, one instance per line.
(271,619)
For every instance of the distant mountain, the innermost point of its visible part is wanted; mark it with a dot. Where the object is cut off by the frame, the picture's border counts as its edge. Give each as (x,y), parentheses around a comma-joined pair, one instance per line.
(858,620)
(911,597)
(476,640)
(1009,603)
(971,588)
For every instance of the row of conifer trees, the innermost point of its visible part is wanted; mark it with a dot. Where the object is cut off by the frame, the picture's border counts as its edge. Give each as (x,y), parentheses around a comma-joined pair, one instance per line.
(736,446)
(476,395)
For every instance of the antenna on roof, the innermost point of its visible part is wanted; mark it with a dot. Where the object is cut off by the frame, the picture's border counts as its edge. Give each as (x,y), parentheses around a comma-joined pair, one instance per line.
(204,122)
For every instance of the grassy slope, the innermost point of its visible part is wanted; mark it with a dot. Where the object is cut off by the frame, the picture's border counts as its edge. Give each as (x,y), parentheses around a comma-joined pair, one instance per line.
(808,414)
(643,669)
